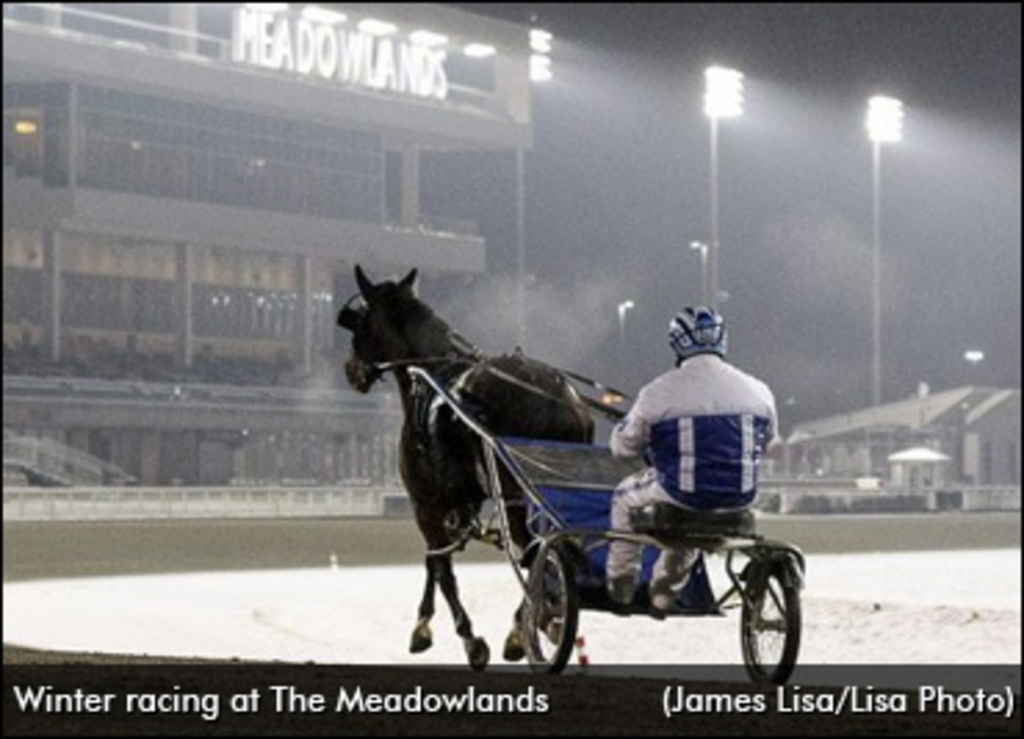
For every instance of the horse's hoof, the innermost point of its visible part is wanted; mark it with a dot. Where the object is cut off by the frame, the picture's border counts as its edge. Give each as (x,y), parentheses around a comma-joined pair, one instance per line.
(422,639)
(514,650)
(479,653)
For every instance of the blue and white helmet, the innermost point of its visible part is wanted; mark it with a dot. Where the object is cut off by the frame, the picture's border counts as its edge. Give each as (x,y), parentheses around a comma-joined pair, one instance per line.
(697,330)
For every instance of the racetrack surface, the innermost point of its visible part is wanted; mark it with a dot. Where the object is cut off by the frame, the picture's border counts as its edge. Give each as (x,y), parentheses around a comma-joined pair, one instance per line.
(91,548)
(579,704)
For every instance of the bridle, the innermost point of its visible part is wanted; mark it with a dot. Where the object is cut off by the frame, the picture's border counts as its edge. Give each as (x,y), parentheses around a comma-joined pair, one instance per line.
(349,317)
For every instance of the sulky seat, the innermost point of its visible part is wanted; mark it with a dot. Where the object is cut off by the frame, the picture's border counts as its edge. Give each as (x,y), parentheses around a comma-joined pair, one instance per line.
(665,519)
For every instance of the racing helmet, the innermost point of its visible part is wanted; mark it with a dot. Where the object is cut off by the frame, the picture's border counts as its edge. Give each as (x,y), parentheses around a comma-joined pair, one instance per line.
(697,330)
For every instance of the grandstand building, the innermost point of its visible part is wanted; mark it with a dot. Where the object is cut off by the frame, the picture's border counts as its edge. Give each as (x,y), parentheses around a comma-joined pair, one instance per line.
(186,188)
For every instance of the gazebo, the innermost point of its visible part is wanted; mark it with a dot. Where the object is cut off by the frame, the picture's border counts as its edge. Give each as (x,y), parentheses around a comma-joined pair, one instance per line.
(917,468)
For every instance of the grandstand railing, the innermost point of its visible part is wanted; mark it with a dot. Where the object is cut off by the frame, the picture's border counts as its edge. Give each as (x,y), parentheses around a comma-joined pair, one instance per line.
(107,503)
(83,388)
(89,25)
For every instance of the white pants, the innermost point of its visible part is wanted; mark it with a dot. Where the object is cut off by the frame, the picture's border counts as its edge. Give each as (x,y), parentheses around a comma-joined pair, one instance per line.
(625,557)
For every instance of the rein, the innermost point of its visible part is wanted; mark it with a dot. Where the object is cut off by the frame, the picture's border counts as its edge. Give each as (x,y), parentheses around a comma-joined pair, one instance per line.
(479,359)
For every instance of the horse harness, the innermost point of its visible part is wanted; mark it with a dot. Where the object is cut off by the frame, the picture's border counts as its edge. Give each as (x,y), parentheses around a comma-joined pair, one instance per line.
(463,350)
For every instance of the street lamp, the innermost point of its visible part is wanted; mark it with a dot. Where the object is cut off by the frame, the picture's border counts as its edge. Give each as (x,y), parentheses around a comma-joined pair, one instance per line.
(885,125)
(723,98)
(975,357)
(624,307)
(703,249)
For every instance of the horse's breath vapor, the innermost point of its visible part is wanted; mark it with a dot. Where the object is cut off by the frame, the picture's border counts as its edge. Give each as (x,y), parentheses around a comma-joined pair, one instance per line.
(577,319)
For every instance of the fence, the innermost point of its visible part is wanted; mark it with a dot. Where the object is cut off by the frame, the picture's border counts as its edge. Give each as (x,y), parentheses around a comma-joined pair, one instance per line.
(777,497)
(114,503)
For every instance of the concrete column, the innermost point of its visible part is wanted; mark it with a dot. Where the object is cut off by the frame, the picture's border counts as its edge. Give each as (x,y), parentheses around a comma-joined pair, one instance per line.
(74,136)
(52,292)
(185,259)
(240,462)
(410,186)
(184,18)
(149,458)
(305,310)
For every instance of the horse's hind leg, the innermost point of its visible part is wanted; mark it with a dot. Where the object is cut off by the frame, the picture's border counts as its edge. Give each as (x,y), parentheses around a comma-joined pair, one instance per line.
(515,642)
(422,638)
(476,648)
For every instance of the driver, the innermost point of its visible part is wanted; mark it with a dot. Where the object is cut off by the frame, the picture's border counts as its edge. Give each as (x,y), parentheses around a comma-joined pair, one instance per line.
(703,428)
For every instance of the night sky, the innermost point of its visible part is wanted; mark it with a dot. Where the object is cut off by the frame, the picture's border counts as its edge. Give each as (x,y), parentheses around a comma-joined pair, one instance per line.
(618,186)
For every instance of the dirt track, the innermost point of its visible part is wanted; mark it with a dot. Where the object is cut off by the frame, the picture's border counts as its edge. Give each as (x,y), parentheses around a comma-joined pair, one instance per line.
(577,705)
(87,548)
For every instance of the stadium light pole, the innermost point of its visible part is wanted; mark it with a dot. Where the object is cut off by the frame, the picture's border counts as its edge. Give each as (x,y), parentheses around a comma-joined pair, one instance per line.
(723,98)
(540,72)
(885,126)
(703,249)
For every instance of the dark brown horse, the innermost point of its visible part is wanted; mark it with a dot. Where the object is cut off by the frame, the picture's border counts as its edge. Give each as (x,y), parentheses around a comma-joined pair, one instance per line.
(439,457)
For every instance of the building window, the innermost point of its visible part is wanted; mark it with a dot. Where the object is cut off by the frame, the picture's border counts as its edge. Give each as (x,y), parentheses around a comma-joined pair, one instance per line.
(23,141)
(22,288)
(135,143)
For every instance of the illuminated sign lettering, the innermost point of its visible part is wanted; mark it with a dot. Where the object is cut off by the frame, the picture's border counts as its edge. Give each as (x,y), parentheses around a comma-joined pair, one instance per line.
(308,48)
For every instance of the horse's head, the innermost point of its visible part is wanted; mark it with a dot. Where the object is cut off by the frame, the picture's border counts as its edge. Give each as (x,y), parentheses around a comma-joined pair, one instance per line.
(389,323)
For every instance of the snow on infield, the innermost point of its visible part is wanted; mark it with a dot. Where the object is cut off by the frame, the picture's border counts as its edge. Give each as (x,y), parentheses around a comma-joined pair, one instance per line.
(936,607)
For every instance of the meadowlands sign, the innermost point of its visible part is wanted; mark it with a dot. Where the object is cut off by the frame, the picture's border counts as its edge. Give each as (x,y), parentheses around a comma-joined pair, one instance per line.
(327,51)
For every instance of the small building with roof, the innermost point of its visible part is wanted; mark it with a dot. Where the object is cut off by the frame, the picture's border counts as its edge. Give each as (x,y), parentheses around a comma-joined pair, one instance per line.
(918,468)
(970,434)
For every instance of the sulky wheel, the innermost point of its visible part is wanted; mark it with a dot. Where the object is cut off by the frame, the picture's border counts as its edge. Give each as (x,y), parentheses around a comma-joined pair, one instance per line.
(770,626)
(550,612)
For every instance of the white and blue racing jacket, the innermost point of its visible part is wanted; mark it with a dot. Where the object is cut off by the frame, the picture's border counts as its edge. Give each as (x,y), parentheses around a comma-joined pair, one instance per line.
(706,425)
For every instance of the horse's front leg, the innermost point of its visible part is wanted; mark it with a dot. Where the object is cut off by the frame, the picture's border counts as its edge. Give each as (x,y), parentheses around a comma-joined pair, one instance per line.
(476,648)
(422,638)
